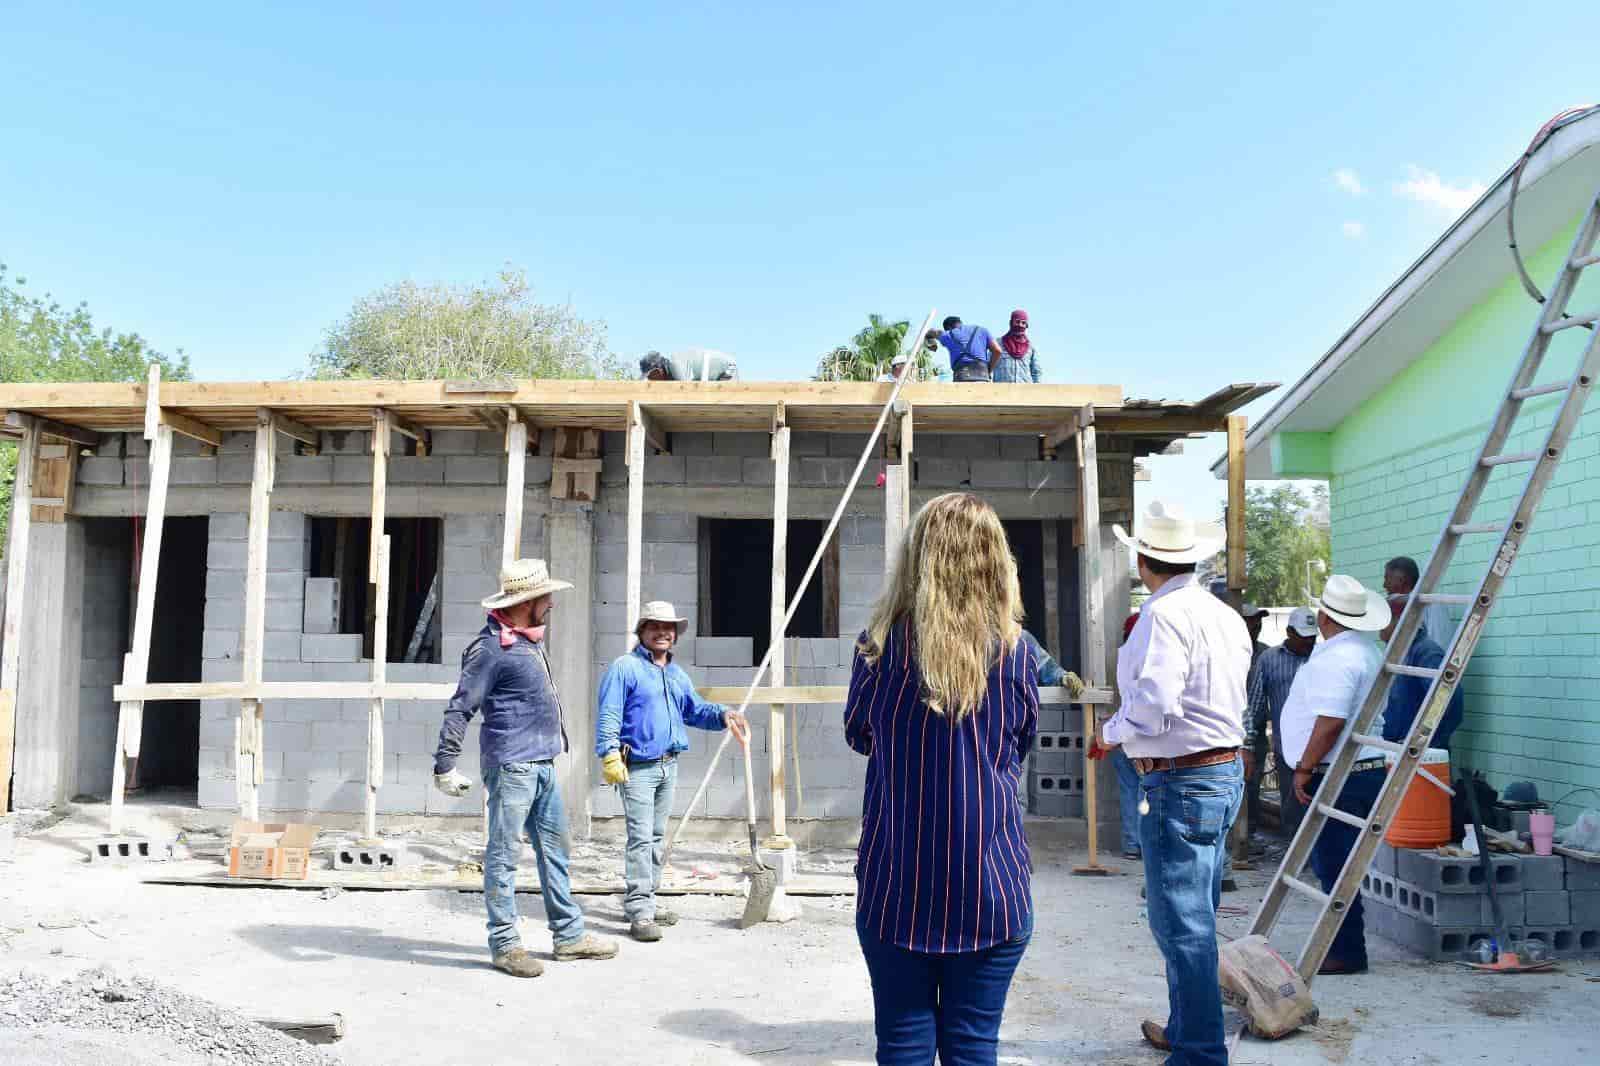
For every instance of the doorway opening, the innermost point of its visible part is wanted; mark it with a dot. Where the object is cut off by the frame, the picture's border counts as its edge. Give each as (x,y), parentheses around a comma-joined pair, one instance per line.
(169,744)
(1027,546)
(338,549)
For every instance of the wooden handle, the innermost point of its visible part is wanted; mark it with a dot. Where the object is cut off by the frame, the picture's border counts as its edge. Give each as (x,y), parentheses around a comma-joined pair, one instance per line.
(749,787)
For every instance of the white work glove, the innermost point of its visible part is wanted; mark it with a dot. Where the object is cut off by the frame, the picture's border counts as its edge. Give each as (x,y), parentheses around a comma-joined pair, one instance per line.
(452,783)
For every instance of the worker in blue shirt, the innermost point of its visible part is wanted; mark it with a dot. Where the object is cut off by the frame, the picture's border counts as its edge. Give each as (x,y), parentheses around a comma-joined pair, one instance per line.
(646,700)
(973,351)
(1407,693)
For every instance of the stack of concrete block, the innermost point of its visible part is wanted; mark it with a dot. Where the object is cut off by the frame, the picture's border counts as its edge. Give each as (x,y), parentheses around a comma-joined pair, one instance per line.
(1055,775)
(1437,905)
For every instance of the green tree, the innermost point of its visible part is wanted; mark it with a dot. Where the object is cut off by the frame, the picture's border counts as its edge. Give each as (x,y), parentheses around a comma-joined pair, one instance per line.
(42,340)
(870,353)
(493,331)
(1283,534)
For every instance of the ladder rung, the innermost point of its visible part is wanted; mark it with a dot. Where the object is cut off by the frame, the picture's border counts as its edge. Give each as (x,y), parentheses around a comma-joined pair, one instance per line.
(1584,261)
(1341,816)
(1378,742)
(1570,321)
(1477,527)
(1304,889)
(1515,457)
(1412,671)
(1448,598)
(1540,390)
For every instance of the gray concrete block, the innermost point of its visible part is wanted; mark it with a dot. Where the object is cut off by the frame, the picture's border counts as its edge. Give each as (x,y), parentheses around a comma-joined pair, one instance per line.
(220,644)
(284,614)
(829,472)
(1585,907)
(286,584)
(760,471)
(723,651)
(1050,477)
(714,470)
(474,529)
(227,555)
(234,440)
(862,559)
(235,469)
(742,444)
(310,710)
(463,618)
(339,671)
(336,736)
(613,588)
(813,651)
(970,445)
(472,557)
(228,525)
(410,738)
(193,470)
(1431,872)
(1543,873)
(808,442)
(100,471)
(1019,446)
(455,442)
(474,469)
(670,558)
(1547,908)
(694,444)
(1384,861)
(997,474)
(848,445)
(280,646)
(1456,908)
(305,469)
(330,647)
(352,469)
(676,528)
(942,473)
(861,531)
(1582,876)
(217,792)
(110,446)
(664,469)
(321,605)
(416,470)
(469,588)
(288,736)
(680,589)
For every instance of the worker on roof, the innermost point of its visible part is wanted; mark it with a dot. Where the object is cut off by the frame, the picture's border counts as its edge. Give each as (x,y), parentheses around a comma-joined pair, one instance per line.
(1020,361)
(1181,676)
(646,700)
(972,350)
(691,364)
(897,368)
(505,674)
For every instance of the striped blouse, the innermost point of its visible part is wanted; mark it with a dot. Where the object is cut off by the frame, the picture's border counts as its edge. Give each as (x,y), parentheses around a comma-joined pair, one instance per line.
(943,864)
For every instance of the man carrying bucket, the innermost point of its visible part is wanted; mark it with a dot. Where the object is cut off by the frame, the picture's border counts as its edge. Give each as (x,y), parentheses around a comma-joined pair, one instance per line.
(1325,694)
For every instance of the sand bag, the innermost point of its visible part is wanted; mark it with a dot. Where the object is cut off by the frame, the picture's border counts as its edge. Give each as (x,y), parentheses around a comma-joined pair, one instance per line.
(1261,983)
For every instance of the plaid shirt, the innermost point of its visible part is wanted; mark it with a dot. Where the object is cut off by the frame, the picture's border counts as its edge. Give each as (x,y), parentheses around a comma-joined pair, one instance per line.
(1270,679)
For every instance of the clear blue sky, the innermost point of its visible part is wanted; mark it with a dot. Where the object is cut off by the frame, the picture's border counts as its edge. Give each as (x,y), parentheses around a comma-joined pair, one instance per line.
(1158,187)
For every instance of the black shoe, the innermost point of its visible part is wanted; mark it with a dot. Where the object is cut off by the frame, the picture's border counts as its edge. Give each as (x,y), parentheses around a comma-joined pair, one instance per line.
(1229,885)
(1334,967)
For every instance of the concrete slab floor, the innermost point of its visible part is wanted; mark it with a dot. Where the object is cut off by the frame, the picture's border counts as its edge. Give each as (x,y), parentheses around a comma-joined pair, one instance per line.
(409,970)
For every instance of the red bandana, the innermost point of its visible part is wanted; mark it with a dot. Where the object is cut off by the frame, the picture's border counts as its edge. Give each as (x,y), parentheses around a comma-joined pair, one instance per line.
(508,631)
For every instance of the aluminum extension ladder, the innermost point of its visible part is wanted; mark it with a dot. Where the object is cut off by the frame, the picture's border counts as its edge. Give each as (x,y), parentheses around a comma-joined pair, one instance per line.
(1366,728)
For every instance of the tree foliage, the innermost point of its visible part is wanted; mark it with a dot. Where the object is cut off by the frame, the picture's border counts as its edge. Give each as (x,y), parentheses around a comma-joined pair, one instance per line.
(870,353)
(493,331)
(42,340)
(1281,539)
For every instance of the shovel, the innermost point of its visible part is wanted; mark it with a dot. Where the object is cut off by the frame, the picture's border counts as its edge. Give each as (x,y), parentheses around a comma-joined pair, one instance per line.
(763,880)
(1508,959)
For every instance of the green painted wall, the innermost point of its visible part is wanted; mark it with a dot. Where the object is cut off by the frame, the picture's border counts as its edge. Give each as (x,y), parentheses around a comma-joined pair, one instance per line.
(1399,463)
(1302,455)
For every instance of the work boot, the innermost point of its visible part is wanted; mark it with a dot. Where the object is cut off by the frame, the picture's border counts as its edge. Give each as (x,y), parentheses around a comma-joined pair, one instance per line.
(645,931)
(518,963)
(1155,1034)
(587,946)
(666,917)
(1230,885)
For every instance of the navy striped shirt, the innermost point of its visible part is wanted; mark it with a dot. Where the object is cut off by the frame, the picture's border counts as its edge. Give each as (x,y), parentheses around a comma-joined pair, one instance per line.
(943,863)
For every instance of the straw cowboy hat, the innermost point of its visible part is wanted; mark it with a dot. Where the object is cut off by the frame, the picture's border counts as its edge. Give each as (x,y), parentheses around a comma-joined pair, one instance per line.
(524,579)
(1348,602)
(1168,534)
(659,611)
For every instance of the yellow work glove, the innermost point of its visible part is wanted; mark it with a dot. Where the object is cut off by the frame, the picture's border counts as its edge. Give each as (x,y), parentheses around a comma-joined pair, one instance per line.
(1073,684)
(614,769)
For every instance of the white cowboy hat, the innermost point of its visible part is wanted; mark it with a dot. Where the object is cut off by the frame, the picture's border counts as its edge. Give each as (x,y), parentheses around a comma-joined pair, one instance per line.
(899,357)
(1352,605)
(524,579)
(1168,534)
(660,611)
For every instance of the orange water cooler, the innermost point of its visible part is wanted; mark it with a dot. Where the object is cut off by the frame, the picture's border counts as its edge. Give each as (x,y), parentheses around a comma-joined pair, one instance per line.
(1423,820)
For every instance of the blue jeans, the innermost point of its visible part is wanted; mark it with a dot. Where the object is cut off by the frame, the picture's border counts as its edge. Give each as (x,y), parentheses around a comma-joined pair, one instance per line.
(1185,837)
(524,797)
(646,803)
(951,1003)
(1128,799)
(1333,848)
(972,372)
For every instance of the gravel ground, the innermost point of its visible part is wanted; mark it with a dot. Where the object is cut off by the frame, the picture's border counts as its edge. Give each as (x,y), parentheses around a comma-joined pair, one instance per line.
(102,1000)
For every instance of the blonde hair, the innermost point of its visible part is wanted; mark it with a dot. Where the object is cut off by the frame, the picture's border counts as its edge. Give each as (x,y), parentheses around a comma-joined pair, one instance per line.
(956,581)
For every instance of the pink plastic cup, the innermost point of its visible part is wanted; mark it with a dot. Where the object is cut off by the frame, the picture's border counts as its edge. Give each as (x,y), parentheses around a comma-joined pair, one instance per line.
(1542,826)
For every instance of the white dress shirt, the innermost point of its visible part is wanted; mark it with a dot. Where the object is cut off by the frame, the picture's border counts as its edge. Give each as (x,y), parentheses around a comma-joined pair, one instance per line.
(1331,684)
(1181,675)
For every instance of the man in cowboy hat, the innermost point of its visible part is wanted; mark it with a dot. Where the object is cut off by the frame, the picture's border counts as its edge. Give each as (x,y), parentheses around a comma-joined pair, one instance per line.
(1326,693)
(646,699)
(505,674)
(1181,675)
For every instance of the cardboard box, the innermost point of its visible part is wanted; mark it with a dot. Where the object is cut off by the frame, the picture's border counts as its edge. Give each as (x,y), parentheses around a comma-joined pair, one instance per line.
(273,850)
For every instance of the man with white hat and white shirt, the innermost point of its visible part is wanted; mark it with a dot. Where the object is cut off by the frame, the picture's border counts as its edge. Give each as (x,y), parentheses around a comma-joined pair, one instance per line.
(1325,695)
(1181,675)
(1270,678)
(505,675)
(646,699)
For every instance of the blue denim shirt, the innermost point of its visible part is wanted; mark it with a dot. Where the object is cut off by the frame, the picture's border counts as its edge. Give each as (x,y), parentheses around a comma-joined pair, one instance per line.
(1407,693)
(1008,368)
(517,695)
(644,707)
(1047,670)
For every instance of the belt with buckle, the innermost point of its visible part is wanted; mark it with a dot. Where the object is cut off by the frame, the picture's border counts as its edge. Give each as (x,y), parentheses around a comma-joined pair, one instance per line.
(1356,767)
(668,757)
(1209,757)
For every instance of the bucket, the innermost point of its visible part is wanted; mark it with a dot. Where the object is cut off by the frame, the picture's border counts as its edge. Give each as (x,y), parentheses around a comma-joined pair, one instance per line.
(1423,820)
(1542,827)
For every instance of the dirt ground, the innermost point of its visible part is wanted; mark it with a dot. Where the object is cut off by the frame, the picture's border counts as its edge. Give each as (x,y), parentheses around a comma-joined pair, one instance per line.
(409,969)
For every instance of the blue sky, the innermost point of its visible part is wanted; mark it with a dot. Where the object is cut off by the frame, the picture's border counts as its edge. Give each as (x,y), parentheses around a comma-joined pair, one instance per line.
(1181,198)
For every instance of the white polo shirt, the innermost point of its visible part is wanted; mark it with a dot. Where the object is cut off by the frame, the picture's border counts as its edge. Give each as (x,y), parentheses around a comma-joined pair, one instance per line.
(1331,684)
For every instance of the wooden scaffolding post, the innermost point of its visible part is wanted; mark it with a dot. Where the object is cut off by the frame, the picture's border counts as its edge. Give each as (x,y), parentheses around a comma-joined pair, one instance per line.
(1236,505)
(249,737)
(16,580)
(380,657)
(1091,581)
(635,564)
(516,467)
(778,715)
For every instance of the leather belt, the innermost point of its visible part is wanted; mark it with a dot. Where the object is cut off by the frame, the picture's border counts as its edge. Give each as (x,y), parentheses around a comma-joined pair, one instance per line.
(670,756)
(1356,767)
(1209,757)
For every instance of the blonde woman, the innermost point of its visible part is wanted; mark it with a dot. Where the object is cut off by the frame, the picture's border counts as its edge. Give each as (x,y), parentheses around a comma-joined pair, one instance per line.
(944,703)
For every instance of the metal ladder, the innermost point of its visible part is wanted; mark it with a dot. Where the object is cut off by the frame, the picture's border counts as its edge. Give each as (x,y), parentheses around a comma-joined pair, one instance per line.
(1366,728)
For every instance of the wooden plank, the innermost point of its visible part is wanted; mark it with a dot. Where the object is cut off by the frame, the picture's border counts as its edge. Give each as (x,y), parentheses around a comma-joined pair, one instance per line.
(320,1029)
(190,427)
(15,602)
(310,438)
(516,470)
(779,604)
(407,428)
(1236,502)
(48,427)
(634,566)
(560,466)
(152,400)
(55,471)
(655,436)
(380,494)
(380,658)
(251,740)
(1091,580)
(810,885)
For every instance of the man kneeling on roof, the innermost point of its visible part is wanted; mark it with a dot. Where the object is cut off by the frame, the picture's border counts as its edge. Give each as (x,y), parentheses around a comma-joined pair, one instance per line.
(645,701)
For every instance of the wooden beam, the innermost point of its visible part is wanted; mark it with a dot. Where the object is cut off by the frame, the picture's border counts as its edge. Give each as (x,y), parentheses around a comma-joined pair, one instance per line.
(407,428)
(1068,430)
(779,603)
(561,466)
(492,418)
(380,490)
(152,400)
(654,435)
(380,659)
(1091,580)
(15,602)
(1177,425)
(1236,503)
(48,427)
(633,446)
(516,469)
(136,664)
(296,431)
(190,427)
(250,742)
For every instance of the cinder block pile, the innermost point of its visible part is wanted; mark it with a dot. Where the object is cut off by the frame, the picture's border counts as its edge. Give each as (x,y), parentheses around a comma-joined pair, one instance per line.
(1055,767)
(1437,906)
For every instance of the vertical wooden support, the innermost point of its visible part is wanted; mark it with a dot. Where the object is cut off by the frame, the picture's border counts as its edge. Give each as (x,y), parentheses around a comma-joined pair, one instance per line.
(16,579)
(250,739)
(381,437)
(1236,504)
(1092,583)
(380,657)
(780,604)
(516,467)
(635,566)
